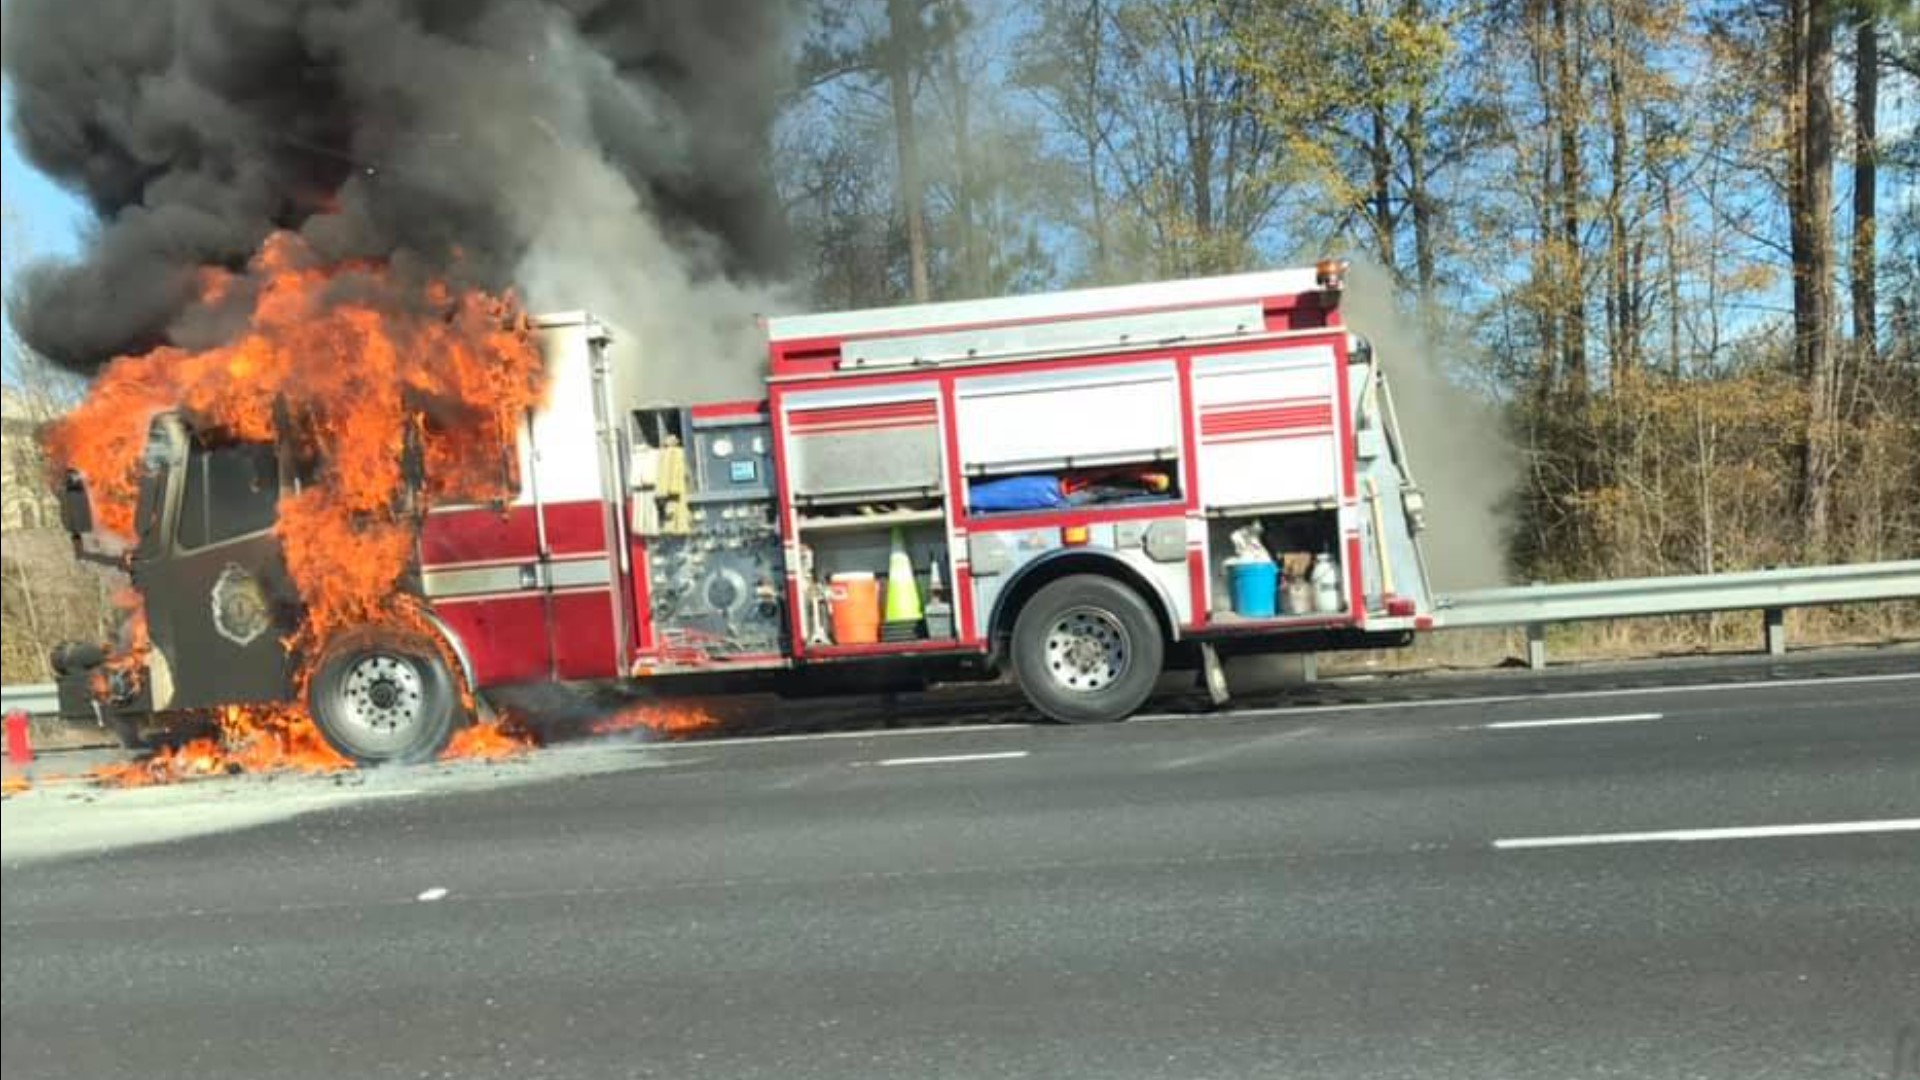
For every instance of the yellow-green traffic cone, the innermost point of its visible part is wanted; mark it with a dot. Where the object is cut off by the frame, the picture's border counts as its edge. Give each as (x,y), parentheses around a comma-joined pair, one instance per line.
(903,593)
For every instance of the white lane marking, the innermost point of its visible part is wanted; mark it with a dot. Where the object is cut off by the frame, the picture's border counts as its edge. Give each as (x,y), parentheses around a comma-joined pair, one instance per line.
(1237,748)
(1671,836)
(1570,721)
(435,893)
(1299,710)
(1498,699)
(823,736)
(950,759)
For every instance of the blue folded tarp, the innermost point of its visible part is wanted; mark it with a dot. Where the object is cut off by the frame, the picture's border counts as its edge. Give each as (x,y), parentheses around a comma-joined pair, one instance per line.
(1016,493)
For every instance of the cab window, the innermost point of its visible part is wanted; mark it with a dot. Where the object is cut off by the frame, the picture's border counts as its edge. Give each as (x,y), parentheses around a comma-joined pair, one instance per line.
(231,491)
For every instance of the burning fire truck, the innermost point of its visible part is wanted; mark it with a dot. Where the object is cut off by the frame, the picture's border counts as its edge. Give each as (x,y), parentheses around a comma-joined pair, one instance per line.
(1083,487)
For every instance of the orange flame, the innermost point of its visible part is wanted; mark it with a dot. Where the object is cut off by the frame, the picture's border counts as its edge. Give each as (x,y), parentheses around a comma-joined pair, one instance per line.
(361,370)
(490,741)
(252,739)
(130,660)
(266,739)
(666,722)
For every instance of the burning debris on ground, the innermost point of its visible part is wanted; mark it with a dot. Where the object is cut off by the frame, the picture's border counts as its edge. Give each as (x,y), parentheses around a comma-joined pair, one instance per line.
(662,721)
(276,740)
(270,740)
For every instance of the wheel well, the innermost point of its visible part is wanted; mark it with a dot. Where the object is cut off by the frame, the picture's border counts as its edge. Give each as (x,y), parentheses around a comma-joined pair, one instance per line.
(433,632)
(463,662)
(1052,568)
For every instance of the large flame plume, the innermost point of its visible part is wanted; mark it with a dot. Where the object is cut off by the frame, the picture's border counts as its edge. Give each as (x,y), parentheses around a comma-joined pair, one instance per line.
(363,368)
(357,372)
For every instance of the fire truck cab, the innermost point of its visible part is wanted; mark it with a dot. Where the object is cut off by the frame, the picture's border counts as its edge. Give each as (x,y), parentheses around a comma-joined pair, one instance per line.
(1077,486)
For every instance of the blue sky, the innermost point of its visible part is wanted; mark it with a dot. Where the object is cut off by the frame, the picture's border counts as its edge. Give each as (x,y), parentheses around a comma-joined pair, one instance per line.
(52,217)
(42,218)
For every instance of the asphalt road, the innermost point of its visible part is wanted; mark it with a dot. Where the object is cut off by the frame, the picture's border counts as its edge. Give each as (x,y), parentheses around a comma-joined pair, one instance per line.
(1391,889)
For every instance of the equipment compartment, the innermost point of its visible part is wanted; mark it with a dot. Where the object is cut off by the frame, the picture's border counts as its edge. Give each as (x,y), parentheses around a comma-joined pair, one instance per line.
(863,544)
(1294,539)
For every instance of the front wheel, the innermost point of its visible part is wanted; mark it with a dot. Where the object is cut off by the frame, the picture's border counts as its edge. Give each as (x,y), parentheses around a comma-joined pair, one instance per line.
(1087,649)
(380,696)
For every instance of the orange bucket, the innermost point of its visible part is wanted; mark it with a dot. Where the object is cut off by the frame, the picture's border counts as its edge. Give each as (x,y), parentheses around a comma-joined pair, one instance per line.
(856,608)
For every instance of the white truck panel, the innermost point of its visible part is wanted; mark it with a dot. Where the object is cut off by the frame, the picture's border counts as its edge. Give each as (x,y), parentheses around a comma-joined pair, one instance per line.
(1045,419)
(1070,304)
(565,460)
(1266,427)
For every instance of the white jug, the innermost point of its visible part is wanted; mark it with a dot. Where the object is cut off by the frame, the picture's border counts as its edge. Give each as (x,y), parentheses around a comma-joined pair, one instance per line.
(1326,584)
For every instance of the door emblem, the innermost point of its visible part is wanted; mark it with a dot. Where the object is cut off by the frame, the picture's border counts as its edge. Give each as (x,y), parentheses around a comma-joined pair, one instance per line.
(239,606)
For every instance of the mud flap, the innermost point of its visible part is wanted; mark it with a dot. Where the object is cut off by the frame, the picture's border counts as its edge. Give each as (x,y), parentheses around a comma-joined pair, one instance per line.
(1213,675)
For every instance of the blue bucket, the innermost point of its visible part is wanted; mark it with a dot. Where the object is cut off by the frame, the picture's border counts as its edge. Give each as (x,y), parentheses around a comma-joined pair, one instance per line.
(1256,586)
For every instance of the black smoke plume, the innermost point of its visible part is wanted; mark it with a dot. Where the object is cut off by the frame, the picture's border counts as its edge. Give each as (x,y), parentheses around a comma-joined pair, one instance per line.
(593,152)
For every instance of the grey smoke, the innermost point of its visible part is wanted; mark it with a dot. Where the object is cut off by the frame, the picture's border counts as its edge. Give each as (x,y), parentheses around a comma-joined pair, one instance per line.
(1456,440)
(606,154)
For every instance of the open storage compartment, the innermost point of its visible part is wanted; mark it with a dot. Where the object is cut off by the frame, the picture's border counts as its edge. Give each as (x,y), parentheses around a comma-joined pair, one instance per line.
(1146,480)
(1067,439)
(864,544)
(1295,538)
(866,471)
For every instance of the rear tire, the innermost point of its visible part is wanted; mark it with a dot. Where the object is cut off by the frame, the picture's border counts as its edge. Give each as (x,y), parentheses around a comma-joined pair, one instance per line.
(1087,649)
(379,696)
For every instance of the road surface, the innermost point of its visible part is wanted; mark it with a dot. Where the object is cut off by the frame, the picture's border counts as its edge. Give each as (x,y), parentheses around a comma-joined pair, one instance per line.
(1713,881)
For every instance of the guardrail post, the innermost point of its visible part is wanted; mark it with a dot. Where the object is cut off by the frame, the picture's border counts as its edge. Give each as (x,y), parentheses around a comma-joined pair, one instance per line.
(1776,623)
(1537,646)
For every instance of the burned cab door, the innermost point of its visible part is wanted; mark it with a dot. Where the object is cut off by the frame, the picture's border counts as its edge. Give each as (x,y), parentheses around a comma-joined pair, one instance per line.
(218,597)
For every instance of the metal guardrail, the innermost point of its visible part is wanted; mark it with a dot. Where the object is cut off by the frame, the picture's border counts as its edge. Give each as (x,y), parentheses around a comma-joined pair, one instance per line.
(36,699)
(1770,592)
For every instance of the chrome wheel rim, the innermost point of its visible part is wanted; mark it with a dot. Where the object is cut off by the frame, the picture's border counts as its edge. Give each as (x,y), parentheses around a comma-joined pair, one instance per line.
(382,697)
(1087,650)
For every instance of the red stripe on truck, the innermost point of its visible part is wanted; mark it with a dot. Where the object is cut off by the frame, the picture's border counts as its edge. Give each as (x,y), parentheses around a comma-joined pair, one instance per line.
(1215,421)
(885,414)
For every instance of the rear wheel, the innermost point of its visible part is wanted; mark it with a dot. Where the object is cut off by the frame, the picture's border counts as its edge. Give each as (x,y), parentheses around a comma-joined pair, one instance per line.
(1087,649)
(380,696)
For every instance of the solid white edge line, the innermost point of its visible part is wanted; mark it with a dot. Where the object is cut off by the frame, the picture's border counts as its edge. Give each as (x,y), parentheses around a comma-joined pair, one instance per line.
(825,736)
(1498,699)
(1755,832)
(949,759)
(1571,721)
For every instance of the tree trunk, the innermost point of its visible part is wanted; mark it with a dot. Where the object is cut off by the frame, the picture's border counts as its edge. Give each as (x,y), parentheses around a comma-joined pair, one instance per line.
(1420,201)
(901,25)
(1420,197)
(1814,281)
(1380,198)
(1573,288)
(1866,98)
(1096,194)
(1546,268)
(1621,331)
(1670,238)
(1199,108)
(972,260)
(1796,128)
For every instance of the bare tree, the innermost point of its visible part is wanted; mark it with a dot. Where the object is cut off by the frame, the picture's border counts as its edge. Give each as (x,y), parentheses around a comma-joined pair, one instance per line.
(1810,206)
(1864,266)
(904,53)
(1064,65)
